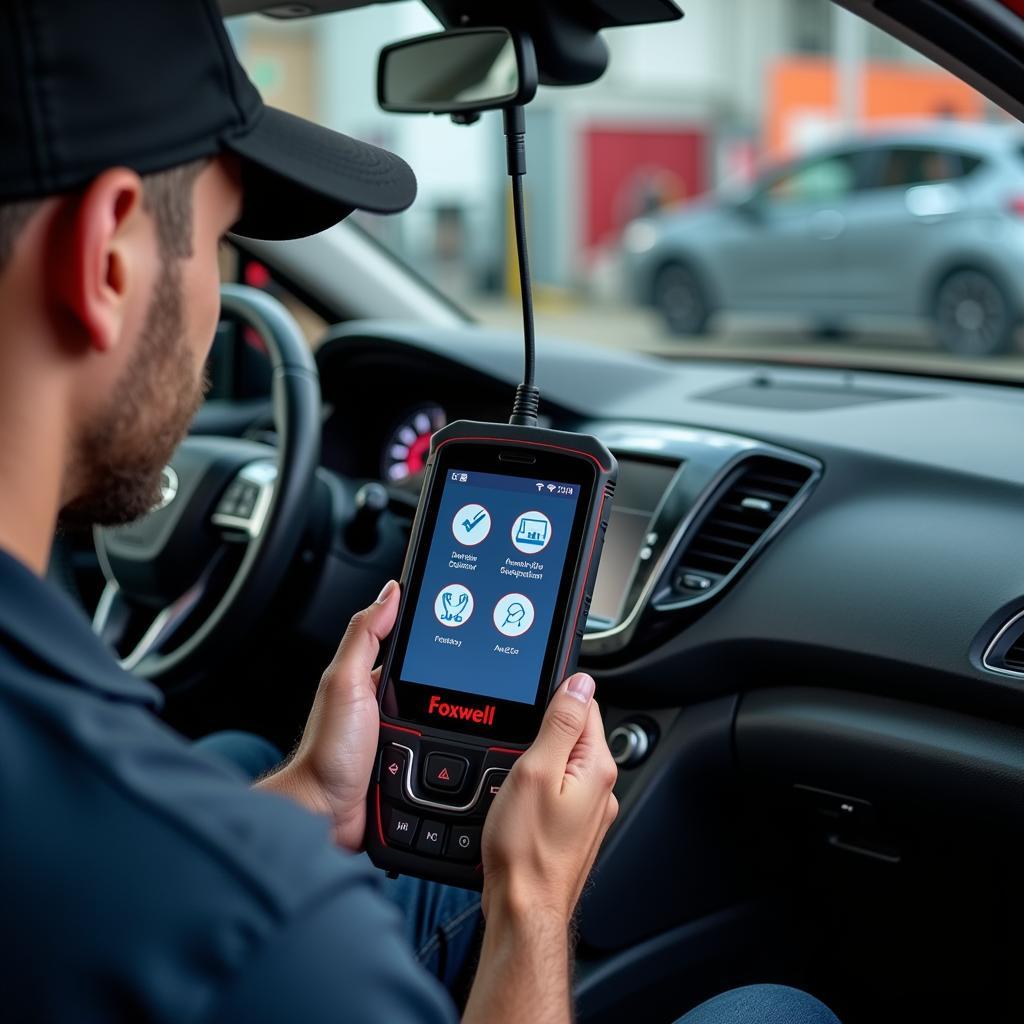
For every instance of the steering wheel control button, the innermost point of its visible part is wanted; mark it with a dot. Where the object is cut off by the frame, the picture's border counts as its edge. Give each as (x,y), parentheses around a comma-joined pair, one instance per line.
(229,502)
(392,771)
(402,827)
(431,840)
(445,771)
(630,743)
(453,605)
(464,843)
(240,499)
(244,505)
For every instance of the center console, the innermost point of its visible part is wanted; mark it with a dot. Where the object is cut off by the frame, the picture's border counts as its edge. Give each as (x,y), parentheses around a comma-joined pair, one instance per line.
(693,508)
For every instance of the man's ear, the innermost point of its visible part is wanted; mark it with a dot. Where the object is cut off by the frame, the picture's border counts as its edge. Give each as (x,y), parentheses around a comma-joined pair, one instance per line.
(98,247)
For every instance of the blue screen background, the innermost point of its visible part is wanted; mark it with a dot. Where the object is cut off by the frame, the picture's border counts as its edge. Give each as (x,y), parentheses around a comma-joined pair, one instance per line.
(475,666)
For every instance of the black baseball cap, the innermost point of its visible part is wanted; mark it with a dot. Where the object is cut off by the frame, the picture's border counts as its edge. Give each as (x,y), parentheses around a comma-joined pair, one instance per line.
(86,85)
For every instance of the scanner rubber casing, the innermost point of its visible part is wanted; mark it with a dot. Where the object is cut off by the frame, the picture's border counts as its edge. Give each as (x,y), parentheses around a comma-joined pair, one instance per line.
(483,753)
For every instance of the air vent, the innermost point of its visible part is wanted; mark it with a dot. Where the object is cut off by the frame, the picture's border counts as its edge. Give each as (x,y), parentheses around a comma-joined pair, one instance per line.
(1013,659)
(1006,652)
(759,491)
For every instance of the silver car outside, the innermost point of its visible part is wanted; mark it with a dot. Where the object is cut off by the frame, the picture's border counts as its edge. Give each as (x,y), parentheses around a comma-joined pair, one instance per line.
(924,222)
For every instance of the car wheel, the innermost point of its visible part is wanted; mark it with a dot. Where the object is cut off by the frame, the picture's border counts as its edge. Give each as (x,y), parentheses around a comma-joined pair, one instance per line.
(973,315)
(681,300)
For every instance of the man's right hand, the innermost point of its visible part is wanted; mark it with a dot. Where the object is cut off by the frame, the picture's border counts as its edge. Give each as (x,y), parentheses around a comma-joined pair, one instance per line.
(542,834)
(552,812)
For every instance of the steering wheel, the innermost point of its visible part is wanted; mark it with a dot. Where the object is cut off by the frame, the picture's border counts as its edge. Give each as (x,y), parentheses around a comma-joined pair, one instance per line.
(216,492)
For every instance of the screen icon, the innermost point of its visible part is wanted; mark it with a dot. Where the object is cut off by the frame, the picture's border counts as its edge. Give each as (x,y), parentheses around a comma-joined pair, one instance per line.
(531,532)
(453,605)
(551,488)
(471,524)
(513,614)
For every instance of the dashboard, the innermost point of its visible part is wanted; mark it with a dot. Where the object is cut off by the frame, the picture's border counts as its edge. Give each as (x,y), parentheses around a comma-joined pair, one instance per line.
(807,633)
(381,406)
(772,523)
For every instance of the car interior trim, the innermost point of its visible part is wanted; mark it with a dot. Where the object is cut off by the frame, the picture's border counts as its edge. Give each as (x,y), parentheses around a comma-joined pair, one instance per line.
(731,451)
(988,657)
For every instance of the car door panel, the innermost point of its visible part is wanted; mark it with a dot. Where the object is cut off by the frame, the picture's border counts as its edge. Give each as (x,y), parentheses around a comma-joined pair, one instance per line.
(787,257)
(897,226)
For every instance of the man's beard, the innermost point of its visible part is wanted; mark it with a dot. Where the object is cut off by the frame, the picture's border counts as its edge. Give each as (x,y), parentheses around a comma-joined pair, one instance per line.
(120,459)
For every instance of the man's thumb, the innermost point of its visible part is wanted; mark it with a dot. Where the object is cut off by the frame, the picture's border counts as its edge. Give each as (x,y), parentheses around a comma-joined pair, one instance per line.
(566,716)
(360,645)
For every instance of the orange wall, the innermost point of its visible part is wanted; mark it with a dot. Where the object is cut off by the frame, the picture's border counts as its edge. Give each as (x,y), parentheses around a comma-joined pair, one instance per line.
(801,85)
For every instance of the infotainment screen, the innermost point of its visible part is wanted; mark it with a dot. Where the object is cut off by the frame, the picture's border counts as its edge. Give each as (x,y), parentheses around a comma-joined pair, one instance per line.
(640,489)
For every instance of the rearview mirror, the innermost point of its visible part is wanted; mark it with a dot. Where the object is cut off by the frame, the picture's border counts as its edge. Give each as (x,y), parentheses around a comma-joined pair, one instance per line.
(457,71)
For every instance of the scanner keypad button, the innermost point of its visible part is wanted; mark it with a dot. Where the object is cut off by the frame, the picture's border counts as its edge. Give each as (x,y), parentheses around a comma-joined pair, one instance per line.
(392,771)
(445,771)
(464,843)
(431,840)
(402,827)
(492,783)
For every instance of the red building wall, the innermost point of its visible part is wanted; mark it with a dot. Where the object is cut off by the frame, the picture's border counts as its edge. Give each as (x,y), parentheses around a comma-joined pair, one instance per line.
(628,168)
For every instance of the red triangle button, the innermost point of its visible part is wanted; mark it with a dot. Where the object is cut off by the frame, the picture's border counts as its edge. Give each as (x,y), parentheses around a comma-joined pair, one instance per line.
(442,775)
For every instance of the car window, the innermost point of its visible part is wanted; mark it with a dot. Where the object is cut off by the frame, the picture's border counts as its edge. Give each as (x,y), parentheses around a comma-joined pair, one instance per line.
(908,165)
(829,179)
(238,267)
(639,233)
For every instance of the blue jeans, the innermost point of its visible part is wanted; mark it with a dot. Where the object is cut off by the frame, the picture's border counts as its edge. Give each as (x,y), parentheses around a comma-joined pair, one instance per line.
(761,1004)
(442,923)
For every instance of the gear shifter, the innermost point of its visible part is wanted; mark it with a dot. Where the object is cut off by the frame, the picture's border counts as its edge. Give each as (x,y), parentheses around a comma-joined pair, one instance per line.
(362,534)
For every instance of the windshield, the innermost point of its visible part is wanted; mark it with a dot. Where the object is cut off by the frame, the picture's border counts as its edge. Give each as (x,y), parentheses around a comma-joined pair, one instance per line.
(787,184)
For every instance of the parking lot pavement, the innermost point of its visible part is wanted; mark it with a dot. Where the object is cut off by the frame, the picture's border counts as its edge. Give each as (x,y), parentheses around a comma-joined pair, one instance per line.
(628,327)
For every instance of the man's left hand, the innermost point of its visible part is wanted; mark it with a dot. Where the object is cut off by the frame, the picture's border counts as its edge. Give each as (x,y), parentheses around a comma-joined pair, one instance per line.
(330,771)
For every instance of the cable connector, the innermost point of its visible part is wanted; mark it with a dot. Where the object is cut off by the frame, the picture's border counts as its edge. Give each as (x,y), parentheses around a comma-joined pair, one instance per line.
(527,401)
(515,140)
(525,406)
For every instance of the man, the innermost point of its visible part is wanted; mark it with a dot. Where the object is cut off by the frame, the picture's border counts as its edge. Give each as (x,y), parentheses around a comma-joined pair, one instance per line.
(140,879)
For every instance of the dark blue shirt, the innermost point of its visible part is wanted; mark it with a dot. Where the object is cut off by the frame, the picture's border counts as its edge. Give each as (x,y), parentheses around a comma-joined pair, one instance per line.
(142,881)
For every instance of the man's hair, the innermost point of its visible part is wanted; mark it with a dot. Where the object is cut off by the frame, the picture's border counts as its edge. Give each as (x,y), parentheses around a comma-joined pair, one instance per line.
(13,218)
(167,195)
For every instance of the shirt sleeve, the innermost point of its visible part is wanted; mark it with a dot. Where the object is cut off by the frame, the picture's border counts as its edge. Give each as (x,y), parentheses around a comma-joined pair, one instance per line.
(343,961)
